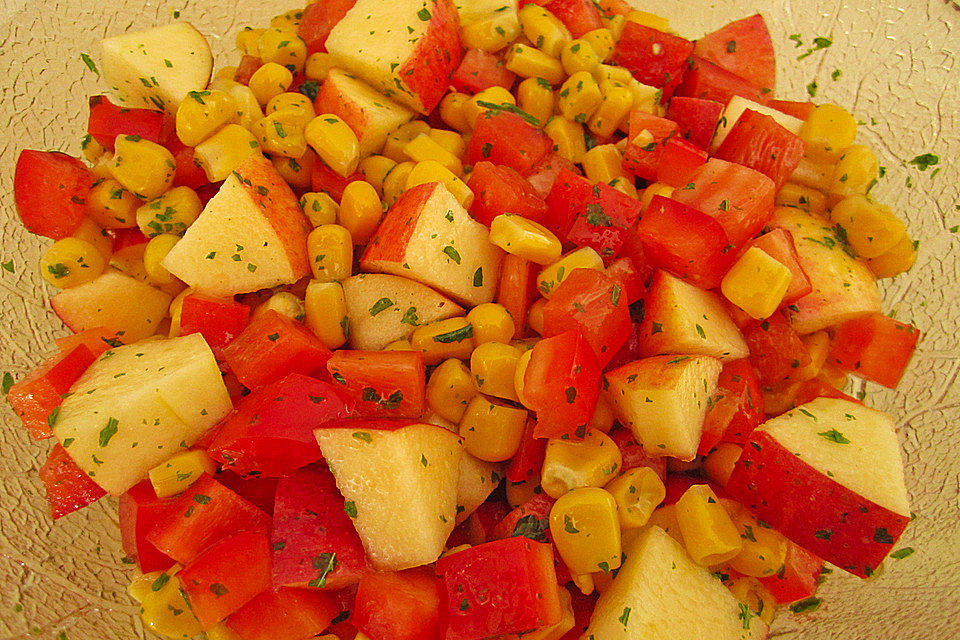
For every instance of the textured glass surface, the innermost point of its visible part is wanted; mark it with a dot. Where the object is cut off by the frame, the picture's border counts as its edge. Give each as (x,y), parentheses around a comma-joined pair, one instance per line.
(898,64)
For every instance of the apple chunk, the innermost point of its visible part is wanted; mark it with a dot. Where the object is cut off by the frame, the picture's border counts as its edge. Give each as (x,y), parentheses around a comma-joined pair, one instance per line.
(139,404)
(663,400)
(661,594)
(828,475)
(157,68)
(251,235)
(427,236)
(404,486)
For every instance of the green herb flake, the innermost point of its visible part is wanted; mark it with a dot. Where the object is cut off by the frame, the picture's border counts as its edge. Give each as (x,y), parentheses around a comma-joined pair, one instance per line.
(834,436)
(381,305)
(7,382)
(87,60)
(219,590)
(478,277)
(108,431)
(568,525)
(7,266)
(457,335)
(531,527)
(925,161)
(900,554)
(745,615)
(806,605)
(625,616)
(160,582)
(350,508)
(363,436)
(424,14)
(452,253)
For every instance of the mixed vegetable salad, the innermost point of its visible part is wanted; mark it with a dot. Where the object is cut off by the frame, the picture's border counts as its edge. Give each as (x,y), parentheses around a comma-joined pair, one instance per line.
(465,321)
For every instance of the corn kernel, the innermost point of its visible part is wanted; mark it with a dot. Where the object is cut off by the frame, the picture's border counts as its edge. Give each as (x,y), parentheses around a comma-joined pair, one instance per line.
(649,20)
(492,430)
(856,172)
(801,197)
(111,206)
(756,283)
(335,143)
(719,463)
(360,211)
(608,73)
(397,140)
(525,238)
(143,167)
(551,276)
(423,148)
(442,339)
(154,253)
(577,55)
(318,65)
(92,150)
(614,23)
(279,134)
(612,112)
(101,168)
(567,136)
(452,141)
(395,183)
(584,528)
(248,109)
(451,111)
(645,98)
(172,213)
(601,41)
(296,172)
(492,32)
(764,549)
(375,169)
(90,232)
(325,313)
(295,102)
(655,189)
(474,107)
(625,186)
(895,261)
(270,80)
(814,174)
(871,227)
(527,62)
(709,534)
(603,416)
(637,493)
(493,365)
(450,389)
(579,97)
(569,464)
(603,163)
(284,47)
(757,597)
(432,171)
(223,152)
(288,19)
(179,472)
(535,315)
(544,29)
(520,372)
(491,323)
(535,96)
(319,208)
(828,131)
(330,249)
(201,113)
(402,344)
(176,307)
(665,517)
(70,262)
(285,303)
(247,39)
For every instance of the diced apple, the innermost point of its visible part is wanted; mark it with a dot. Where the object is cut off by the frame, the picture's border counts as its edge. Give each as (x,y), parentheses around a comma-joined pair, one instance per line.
(682,318)
(384,308)
(139,404)
(661,594)
(406,49)
(478,479)
(828,475)
(427,236)
(251,235)
(404,486)
(663,400)
(371,115)
(124,306)
(157,68)
(735,109)
(843,287)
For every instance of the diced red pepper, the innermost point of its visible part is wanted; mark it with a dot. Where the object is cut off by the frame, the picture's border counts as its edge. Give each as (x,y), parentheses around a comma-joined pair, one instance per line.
(313,540)
(202,515)
(50,191)
(529,520)
(545,173)
(388,384)
(36,397)
(323,178)
(124,238)
(628,352)
(188,172)
(875,347)
(139,511)
(776,350)
(799,110)
(643,159)
(517,290)
(737,408)
(96,339)
(257,490)
(562,384)
(678,160)
(810,390)
(528,460)
(271,347)
(761,143)
(498,190)
(653,57)
(505,138)
(246,68)
(482,522)
(107,121)
(590,215)
(632,248)
(708,81)
(779,245)
(743,47)
(633,454)
(219,320)
(480,70)
(319,19)
(282,612)
(799,577)
(505,586)
(583,606)
(227,575)
(632,278)
(404,605)
(578,16)
(68,487)
(696,118)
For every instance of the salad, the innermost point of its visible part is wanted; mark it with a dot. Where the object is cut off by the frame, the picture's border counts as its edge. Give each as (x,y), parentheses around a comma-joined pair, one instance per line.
(463,322)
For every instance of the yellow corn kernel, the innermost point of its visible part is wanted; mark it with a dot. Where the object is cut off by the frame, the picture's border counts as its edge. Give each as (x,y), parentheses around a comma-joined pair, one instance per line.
(614,23)
(442,339)
(895,261)
(162,606)
(492,32)
(764,549)
(319,208)
(223,152)
(582,258)
(452,141)
(92,150)
(396,182)
(247,39)
(603,416)
(527,62)
(637,492)
(154,253)
(608,73)
(270,80)
(143,167)
(295,102)
(579,97)
(248,109)
(173,212)
(330,249)
(284,47)
(665,517)
(318,65)
(649,20)
(756,283)
(625,186)
(491,323)
(279,134)
(757,597)
(719,463)
(432,171)
(450,389)
(814,174)
(325,312)
(567,136)
(398,345)
(111,206)
(655,189)
(519,374)
(493,365)
(525,238)
(474,107)
(201,113)
(360,211)
(645,98)
(284,303)
(603,163)
(709,534)
(492,430)
(535,315)
(375,169)
(601,41)
(828,131)
(872,228)
(818,346)
(578,55)
(89,231)
(856,172)
(544,29)
(296,171)
(176,306)
(613,110)
(569,464)
(584,528)
(535,96)
(423,148)
(520,492)
(179,472)
(288,19)
(397,140)
(801,197)
(335,143)
(451,111)
(70,262)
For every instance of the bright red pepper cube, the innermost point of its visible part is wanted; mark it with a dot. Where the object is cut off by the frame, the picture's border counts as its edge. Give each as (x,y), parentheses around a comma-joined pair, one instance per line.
(876,347)
(139,511)
(218,320)
(68,487)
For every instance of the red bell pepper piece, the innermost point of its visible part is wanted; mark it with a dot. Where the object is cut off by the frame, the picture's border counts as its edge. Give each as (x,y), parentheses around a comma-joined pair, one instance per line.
(188,172)
(628,352)
(388,384)
(323,178)
(480,70)
(313,540)
(68,487)
(696,118)
(583,607)
(227,575)
(257,490)
(562,384)
(579,16)
(799,110)
(517,290)
(484,521)
(318,21)
(202,515)
(270,432)
(685,242)
(124,238)
(708,81)
(743,47)
(282,612)
(528,520)
(776,350)
(737,408)
(545,173)
(271,347)
(875,347)
(504,138)
(678,160)
(107,121)
(528,460)
(50,191)
(246,68)
(761,143)
(590,215)
(139,511)
(219,320)
(505,586)
(632,278)
(96,339)
(404,605)
(653,57)
(633,454)
(643,160)
(799,577)
(779,245)
(37,396)
(498,190)
(809,390)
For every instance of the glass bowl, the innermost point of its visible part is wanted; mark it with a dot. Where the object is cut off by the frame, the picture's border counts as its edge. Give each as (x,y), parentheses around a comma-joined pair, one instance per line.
(892,62)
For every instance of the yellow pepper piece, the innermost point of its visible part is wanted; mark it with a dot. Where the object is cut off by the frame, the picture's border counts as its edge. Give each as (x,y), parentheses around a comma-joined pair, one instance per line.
(527,62)
(535,96)
(603,163)
(567,136)
(179,472)
(544,29)
(756,283)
